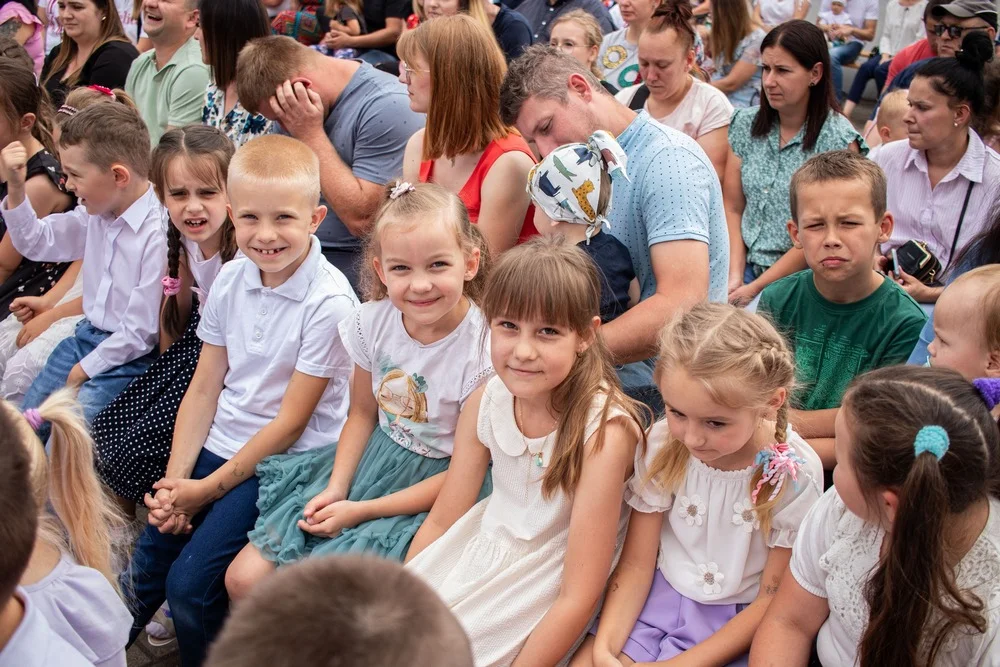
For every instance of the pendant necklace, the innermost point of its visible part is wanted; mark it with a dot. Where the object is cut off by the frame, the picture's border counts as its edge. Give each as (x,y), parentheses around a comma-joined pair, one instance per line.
(519,417)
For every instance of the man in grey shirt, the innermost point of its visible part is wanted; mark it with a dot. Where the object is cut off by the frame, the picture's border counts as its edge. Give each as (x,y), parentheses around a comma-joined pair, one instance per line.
(542,13)
(355,118)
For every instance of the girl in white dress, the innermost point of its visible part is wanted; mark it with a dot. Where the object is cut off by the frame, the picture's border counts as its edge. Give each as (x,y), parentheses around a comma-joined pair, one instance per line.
(524,569)
(719,497)
(899,563)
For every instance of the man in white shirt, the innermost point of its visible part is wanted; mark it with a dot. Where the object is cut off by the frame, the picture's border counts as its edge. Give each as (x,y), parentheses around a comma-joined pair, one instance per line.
(119,230)
(848,39)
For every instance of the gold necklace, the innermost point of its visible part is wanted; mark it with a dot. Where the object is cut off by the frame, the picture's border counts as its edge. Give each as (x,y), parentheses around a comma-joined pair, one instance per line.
(519,417)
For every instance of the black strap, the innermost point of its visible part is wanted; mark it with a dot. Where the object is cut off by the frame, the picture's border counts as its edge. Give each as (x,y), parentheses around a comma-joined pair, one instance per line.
(639,99)
(961,217)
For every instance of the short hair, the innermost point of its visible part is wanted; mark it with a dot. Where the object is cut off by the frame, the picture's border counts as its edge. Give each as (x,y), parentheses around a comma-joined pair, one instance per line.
(341,612)
(111,134)
(464,112)
(277,159)
(843,165)
(264,64)
(17,506)
(226,27)
(892,108)
(989,303)
(541,71)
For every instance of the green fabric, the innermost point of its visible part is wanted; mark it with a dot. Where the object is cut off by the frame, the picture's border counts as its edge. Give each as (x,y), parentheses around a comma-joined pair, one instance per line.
(174,96)
(766,174)
(833,342)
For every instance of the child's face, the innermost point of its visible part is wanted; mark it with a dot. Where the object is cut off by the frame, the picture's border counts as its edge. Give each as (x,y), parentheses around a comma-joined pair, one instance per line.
(837,230)
(96,188)
(837,8)
(958,341)
(274,224)
(424,270)
(843,474)
(715,434)
(197,207)
(532,357)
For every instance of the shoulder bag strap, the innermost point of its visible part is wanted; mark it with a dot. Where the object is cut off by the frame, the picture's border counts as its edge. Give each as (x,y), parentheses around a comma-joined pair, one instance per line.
(961,218)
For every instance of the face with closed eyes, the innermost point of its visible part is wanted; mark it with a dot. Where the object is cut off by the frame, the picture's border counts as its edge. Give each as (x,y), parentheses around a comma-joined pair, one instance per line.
(551,123)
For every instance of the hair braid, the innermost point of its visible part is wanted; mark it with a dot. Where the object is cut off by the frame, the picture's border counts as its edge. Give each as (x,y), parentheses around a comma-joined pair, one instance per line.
(171,313)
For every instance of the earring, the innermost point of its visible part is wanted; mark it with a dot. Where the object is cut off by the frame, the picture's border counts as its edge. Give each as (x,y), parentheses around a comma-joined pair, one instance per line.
(955,123)
(812,84)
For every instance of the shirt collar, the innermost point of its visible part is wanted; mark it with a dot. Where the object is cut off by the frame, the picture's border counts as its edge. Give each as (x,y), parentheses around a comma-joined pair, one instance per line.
(136,214)
(181,54)
(970,166)
(296,287)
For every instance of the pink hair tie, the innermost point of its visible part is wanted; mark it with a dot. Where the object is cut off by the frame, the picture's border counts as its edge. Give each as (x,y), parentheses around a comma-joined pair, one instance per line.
(777,462)
(171,286)
(34,418)
(106,91)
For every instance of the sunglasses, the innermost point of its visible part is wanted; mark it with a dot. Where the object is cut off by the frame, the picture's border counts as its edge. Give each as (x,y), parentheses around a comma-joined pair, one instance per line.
(954,31)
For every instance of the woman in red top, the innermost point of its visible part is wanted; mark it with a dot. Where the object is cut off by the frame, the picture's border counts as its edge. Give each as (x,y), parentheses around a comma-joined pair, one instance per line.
(465,147)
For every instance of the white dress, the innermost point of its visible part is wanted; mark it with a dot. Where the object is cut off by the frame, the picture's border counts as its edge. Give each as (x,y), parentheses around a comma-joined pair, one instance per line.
(500,567)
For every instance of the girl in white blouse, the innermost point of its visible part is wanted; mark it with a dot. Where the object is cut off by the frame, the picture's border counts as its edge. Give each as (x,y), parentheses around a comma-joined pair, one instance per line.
(716,501)
(899,564)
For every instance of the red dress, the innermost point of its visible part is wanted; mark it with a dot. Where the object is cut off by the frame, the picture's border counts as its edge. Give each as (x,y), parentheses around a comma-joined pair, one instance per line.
(471,192)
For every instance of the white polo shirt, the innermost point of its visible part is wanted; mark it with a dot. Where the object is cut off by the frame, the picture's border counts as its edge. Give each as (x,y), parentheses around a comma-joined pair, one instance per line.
(268,334)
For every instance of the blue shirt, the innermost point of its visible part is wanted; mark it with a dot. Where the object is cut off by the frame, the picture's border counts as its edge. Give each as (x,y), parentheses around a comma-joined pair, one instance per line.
(673,195)
(615,266)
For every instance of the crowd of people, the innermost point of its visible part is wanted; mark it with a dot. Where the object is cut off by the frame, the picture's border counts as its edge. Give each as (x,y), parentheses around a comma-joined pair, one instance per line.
(561,332)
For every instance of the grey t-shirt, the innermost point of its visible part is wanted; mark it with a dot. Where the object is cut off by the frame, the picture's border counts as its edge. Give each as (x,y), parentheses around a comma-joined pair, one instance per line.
(369,126)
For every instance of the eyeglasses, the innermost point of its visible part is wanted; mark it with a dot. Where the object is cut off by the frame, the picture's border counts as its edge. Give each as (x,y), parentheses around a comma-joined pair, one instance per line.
(954,31)
(405,71)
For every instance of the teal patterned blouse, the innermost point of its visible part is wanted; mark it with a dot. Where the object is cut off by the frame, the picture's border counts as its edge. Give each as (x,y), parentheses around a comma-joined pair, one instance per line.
(766,174)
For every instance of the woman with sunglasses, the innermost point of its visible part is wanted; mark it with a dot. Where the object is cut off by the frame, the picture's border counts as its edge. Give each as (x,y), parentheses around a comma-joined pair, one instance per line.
(465,147)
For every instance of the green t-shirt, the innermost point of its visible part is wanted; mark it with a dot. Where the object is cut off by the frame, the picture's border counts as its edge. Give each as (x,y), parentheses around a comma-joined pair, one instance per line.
(836,342)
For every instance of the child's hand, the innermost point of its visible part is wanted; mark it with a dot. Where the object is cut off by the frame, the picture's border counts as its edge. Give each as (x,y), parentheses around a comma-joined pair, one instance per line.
(15,159)
(741,296)
(321,500)
(77,376)
(26,307)
(186,496)
(329,521)
(33,329)
(605,659)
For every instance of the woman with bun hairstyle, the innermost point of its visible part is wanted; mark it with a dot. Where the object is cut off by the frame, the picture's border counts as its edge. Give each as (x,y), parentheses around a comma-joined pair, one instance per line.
(943,182)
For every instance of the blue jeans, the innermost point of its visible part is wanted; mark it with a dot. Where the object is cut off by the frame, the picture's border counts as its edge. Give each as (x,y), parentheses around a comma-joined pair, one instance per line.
(872,68)
(96,392)
(637,383)
(845,54)
(189,571)
(377,57)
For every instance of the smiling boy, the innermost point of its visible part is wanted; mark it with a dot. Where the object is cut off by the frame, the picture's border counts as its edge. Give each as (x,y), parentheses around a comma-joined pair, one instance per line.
(842,317)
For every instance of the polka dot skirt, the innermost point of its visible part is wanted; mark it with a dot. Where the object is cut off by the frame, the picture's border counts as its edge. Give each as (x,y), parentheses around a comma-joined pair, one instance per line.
(133,433)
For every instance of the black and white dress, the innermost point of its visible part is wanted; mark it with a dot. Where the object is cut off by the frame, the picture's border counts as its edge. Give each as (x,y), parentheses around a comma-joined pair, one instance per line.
(133,434)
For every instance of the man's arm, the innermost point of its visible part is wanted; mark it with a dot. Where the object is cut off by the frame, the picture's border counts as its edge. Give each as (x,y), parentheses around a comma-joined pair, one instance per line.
(867,33)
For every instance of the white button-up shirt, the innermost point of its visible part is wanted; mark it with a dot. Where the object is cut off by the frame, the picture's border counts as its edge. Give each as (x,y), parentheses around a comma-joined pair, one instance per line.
(124,259)
(269,333)
(931,215)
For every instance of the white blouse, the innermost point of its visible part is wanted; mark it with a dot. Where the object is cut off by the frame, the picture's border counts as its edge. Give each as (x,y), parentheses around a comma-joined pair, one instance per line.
(712,550)
(204,271)
(903,26)
(836,552)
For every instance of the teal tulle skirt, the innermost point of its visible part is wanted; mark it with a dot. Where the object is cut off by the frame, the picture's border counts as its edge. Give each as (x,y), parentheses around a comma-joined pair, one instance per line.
(289,481)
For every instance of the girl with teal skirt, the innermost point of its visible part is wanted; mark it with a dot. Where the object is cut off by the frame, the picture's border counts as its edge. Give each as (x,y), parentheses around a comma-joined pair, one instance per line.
(419,349)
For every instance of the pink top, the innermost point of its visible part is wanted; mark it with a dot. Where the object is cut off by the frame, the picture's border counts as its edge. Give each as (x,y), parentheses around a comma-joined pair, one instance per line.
(703,109)
(35,46)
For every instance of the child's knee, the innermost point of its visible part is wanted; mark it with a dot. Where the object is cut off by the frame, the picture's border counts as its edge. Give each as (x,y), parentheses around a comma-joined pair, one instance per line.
(245,572)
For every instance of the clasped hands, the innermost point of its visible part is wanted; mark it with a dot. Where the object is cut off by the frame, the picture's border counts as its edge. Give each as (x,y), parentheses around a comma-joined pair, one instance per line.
(175,503)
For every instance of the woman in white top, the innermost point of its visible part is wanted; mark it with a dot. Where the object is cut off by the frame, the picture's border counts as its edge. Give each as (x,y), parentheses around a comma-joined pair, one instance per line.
(618,59)
(669,93)
(769,13)
(900,563)
(904,24)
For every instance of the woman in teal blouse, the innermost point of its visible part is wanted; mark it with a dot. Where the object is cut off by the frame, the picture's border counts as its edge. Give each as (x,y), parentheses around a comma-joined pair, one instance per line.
(798,117)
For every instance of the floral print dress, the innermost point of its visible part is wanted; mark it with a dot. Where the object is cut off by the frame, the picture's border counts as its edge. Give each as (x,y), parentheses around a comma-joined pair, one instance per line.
(239,124)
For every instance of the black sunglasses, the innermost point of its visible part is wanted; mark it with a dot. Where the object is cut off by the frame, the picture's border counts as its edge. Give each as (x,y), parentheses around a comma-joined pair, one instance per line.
(954,31)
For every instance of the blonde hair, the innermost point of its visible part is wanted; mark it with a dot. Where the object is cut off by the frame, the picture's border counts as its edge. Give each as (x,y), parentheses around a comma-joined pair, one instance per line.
(264,64)
(418,397)
(987,278)
(741,360)
(79,99)
(85,517)
(892,108)
(275,159)
(425,202)
(464,113)
(551,280)
(591,32)
(333,6)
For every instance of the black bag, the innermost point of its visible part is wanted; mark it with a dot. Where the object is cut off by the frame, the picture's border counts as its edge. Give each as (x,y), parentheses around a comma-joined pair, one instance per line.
(918,261)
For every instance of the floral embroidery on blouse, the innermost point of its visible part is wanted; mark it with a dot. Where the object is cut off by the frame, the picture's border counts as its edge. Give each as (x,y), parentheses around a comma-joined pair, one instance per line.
(745,515)
(710,578)
(692,509)
(239,125)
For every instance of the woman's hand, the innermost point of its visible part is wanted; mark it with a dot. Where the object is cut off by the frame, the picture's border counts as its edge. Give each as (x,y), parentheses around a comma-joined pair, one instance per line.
(741,296)
(333,518)
(920,292)
(185,496)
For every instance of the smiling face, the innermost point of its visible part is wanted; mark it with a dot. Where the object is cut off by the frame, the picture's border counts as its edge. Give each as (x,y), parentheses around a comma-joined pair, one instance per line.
(94,187)
(786,82)
(168,19)
(664,63)
(274,222)
(197,206)
(959,343)
(931,119)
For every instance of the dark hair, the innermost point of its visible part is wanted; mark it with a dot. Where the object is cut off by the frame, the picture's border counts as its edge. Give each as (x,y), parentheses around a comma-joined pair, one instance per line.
(674,14)
(842,165)
(17,505)
(226,27)
(349,610)
(112,30)
(914,600)
(201,144)
(984,248)
(11,50)
(806,43)
(961,78)
(20,95)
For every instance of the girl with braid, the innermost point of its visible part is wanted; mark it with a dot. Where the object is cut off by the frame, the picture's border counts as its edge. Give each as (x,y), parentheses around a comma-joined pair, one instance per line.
(134,432)
(717,498)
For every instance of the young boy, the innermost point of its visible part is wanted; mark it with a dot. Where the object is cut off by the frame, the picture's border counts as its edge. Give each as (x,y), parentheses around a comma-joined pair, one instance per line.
(347,610)
(26,640)
(841,316)
(119,230)
(271,379)
(889,121)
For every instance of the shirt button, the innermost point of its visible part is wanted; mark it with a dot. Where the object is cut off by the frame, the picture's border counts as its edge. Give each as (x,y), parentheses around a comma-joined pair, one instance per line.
(258,335)
(544,23)
(263,311)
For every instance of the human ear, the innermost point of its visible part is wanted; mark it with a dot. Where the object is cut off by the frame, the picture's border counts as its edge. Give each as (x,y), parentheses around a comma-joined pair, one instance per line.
(579,85)
(889,504)
(317,217)
(121,174)
(885,227)
(379,270)
(793,232)
(993,364)
(472,263)
(28,122)
(816,74)
(589,336)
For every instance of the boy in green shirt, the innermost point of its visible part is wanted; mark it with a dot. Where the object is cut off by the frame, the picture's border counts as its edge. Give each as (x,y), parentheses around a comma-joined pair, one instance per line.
(841,316)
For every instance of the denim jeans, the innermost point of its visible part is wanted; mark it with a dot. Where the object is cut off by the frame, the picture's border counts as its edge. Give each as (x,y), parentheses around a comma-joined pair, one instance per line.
(637,383)
(189,571)
(96,392)
(872,68)
(377,57)
(845,54)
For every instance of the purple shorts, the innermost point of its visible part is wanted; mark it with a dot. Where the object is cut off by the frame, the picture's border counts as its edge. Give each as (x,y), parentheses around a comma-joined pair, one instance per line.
(670,624)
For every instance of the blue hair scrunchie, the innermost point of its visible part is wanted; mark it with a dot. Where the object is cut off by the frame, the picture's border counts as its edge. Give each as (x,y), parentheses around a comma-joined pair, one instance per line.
(933,439)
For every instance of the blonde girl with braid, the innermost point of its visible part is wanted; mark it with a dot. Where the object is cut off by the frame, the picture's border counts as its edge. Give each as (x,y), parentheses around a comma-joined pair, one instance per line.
(717,498)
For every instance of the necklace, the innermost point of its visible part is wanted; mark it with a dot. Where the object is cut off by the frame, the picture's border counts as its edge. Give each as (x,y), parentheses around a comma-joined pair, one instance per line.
(519,422)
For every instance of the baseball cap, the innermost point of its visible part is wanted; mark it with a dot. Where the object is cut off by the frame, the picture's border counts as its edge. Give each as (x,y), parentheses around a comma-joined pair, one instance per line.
(964,9)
